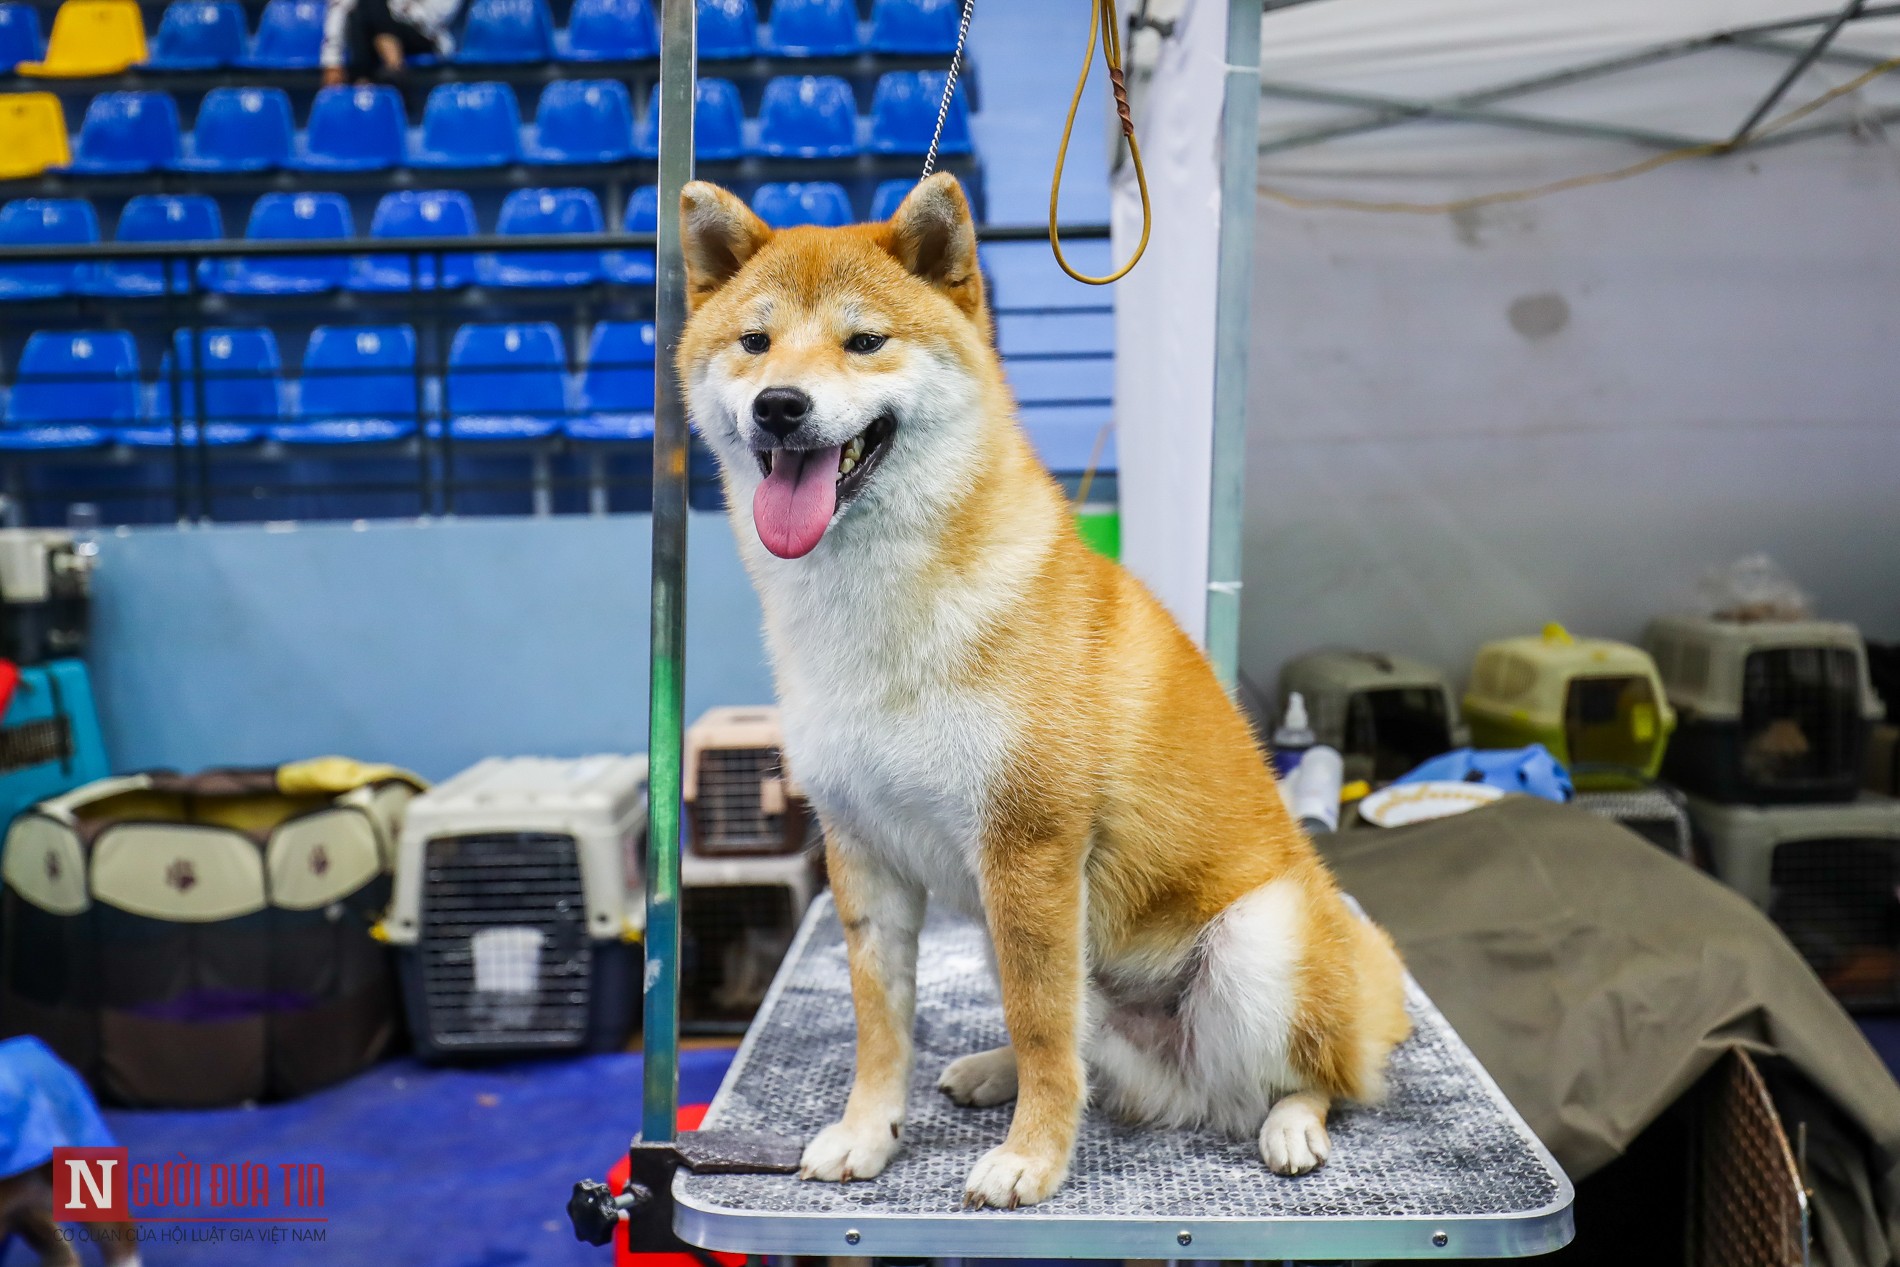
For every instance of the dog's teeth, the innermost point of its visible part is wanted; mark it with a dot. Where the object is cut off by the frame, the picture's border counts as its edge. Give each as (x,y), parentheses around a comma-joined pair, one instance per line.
(845,467)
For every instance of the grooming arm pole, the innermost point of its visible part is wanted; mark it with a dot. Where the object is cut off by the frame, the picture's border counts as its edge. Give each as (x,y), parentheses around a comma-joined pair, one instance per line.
(666,706)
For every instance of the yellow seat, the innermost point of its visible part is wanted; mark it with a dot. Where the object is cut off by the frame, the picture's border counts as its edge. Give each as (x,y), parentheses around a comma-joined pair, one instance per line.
(91,37)
(32,134)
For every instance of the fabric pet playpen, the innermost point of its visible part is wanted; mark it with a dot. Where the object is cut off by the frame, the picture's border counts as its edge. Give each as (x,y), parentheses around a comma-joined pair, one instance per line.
(1772,711)
(1597,705)
(1384,713)
(206,939)
(516,918)
(1829,877)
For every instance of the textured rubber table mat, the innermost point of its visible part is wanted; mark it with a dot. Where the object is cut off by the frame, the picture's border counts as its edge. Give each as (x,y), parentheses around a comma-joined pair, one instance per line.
(1445,1149)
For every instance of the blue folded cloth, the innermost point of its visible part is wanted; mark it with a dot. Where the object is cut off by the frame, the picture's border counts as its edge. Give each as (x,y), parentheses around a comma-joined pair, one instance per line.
(43,1104)
(1532,771)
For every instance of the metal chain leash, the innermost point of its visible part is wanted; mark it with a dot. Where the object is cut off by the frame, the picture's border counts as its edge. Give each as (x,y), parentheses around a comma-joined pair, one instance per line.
(949,86)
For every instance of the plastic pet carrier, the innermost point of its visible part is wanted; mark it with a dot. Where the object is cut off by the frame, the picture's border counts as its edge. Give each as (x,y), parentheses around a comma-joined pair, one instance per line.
(49,736)
(1658,814)
(1829,877)
(205,940)
(739,799)
(45,595)
(1597,705)
(517,915)
(1385,714)
(1772,711)
(737,920)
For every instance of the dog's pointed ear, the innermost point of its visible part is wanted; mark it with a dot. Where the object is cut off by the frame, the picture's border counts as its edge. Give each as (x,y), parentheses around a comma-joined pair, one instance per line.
(718,234)
(934,236)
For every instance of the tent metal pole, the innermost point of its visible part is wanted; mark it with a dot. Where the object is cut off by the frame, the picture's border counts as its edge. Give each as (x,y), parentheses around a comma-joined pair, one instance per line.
(1825,37)
(666,683)
(1233,300)
(1396,110)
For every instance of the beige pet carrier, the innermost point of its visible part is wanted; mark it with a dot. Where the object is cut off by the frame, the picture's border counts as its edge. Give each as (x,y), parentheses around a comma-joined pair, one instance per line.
(739,799)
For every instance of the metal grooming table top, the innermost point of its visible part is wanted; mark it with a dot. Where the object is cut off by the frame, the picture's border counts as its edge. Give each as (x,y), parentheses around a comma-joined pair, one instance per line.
(1444,1169)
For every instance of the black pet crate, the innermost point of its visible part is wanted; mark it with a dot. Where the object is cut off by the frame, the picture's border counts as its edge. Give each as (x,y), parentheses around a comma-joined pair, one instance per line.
(1768,712)
(1386,714)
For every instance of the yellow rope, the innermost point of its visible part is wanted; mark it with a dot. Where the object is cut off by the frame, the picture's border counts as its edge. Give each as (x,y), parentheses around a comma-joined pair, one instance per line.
(1649,164)
(1101,18)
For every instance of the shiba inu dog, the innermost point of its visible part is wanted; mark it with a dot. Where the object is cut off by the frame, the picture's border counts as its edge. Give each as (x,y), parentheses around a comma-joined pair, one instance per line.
(983,711)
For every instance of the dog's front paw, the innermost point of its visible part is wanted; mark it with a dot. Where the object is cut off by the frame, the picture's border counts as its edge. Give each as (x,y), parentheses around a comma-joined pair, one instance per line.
(1005,1178)
(843,1152)
(981,1079)
(1294,1140)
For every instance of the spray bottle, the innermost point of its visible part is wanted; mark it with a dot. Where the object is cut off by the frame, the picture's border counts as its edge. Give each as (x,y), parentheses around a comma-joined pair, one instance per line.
(1292,737)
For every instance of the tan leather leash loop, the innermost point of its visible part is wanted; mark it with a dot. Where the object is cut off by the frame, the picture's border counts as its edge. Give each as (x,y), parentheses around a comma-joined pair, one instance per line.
(1102,19)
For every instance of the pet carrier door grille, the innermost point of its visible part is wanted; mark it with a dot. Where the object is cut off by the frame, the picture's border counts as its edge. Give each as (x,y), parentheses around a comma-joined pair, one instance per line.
(1837,901)
(35,743)
(1801,717)
(1610,722)
(504,947)
(1750,1210)
(730,813)
(1399,727)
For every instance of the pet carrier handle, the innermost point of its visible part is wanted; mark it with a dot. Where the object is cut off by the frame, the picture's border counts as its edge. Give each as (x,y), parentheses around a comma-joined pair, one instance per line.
(595,1211)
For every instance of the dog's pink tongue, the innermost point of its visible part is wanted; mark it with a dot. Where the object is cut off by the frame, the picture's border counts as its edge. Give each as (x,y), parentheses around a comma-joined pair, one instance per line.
(795,503)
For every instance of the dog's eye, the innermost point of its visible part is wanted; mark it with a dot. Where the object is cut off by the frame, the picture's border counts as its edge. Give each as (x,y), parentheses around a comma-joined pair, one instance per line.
(864,342)
(755,341)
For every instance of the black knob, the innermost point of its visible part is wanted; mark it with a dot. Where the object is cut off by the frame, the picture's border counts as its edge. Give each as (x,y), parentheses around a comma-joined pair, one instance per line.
(595,1211)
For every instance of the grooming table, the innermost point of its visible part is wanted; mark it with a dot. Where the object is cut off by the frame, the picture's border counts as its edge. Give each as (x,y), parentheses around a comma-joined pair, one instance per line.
(1445,1168)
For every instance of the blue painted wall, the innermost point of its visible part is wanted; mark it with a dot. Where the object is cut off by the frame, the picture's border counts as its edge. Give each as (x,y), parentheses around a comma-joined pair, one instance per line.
(427,644)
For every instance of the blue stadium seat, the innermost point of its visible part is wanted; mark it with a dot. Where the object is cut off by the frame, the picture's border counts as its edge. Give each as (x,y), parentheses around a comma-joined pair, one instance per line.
(506,382)
(410,213)
(289,36)
(915,27)
(242,394)
(287,217)
(904,114)
(728,29)
(358,387)
(540,211)
(582,121)
(127,132)
(469,125)
(813,28)
(889,196)
(198,35)
(504,31)
(718,123)
(785,205)
(20,39)
(808,116)
(617,385)
(636,268)
(46,222)
(240,130)
(71,386)
(353,129)
(157,218)
(610,31)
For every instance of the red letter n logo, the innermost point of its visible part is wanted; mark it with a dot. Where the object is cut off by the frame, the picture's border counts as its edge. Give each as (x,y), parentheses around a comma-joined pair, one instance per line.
(89,1185)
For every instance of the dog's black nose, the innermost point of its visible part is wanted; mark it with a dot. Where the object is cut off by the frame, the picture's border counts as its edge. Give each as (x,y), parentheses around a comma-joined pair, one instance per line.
(780,410)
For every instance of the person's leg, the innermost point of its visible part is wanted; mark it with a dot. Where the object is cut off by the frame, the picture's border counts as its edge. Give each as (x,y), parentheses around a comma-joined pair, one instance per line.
(380,41)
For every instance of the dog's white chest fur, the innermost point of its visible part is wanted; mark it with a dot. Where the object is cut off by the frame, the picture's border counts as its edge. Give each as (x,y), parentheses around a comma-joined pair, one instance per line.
(881,735)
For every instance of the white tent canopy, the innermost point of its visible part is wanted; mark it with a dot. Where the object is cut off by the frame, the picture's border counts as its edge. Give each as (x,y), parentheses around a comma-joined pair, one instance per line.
(1375,330)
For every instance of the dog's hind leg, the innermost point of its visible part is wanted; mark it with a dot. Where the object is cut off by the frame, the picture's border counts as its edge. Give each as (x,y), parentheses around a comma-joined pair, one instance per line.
(1293,1140)
(982,1078)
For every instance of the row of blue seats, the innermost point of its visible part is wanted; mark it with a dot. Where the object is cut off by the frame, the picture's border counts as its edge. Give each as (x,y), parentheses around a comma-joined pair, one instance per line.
(80,390)
(469,125)
(201,35)
(432,213)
